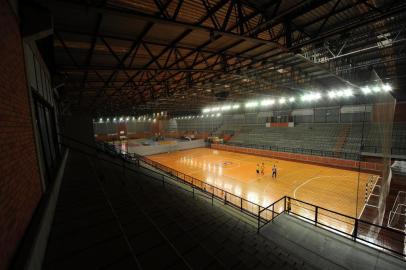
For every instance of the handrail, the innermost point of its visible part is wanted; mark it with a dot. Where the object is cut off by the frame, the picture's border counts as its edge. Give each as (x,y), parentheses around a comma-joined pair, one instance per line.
(272,211)
(386,238)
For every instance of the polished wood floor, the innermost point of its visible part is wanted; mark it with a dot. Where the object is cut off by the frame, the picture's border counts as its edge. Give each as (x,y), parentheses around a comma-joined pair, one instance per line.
(331,188)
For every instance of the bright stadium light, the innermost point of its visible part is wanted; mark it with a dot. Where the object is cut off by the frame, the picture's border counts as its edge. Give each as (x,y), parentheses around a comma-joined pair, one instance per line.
(127,119)
(108,120)
(331,94)
(226,108)
(305,97)
(236,106)
(282,100)
(101,120)
(218,115)
(251,104)
(376,89)
(312,96)
(316,96)
(114,119)
(291,99)
(340,93)
(206,110)
(267,102)
(387,87)
(348,92)
(366,90)
(215,109)
(213,115)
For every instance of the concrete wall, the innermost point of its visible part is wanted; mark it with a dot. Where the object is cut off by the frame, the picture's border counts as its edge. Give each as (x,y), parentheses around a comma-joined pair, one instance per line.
(157,149)
(20,184)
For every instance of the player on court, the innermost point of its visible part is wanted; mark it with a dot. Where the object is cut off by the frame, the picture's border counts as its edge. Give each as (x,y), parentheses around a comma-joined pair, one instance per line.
(262,168)
(274,171)
(257,169)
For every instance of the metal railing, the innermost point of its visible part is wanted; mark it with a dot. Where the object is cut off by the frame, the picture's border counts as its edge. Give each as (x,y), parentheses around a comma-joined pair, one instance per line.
(365,232)
(395,150)
(376,236)
(299,150)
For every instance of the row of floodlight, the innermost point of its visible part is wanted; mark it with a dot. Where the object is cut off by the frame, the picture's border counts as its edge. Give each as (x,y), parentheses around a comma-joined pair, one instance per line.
(198,116)
(125,119)
(223,108)
(307,97)
(141,118)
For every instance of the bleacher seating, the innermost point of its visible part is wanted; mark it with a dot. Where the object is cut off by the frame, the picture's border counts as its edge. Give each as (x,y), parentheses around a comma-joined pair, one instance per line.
(200,125)
(345,140)
(110,219)
(322,138)
(307,137)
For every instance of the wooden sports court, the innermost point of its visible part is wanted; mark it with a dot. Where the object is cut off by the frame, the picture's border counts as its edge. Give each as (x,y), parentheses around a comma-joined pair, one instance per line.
(331,188)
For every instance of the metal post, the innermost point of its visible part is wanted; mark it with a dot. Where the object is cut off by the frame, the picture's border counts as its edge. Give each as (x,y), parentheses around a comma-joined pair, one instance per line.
(355,232)
(284,204)
(316,215)
(212,198)
(241,203)
(225,197)
(259,213)
(163,180)
(273,211)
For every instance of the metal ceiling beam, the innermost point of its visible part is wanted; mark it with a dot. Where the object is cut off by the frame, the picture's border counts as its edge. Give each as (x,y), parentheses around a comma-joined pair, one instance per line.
(168,22)
(120,64)
(362,21)
(295,11)
(90,51)
(109,68)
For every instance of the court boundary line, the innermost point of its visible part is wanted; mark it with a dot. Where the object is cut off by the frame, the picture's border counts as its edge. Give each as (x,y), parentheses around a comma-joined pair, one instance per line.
(316,177)
(270,160)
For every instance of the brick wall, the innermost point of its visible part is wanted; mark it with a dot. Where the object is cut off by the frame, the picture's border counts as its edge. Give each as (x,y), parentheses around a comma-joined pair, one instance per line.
(20,186)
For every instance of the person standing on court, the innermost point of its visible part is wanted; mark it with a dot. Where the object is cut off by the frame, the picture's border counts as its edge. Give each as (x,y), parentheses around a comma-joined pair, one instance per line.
(257,169)
(262,168)
(274,171)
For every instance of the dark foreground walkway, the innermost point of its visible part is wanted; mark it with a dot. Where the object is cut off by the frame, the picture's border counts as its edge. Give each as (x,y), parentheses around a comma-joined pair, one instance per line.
(107,220)
(326,249)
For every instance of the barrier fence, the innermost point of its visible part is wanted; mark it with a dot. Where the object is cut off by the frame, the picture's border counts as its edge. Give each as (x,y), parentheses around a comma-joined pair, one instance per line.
(376,236)
(306,151)
(395,150)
